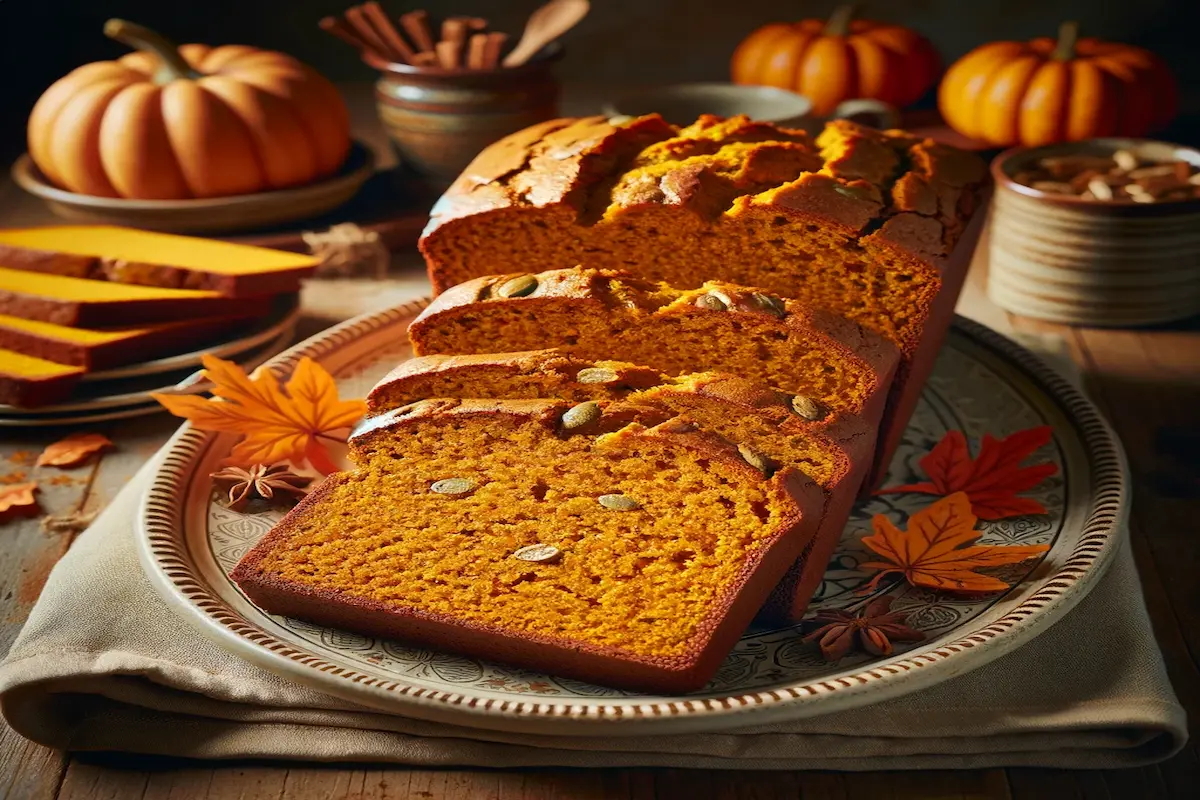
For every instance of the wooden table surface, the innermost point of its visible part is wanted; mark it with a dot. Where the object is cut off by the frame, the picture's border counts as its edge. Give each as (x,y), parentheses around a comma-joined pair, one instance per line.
(1147,381)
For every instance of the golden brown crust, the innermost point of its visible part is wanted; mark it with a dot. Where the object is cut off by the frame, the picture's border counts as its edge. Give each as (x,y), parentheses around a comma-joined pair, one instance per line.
(853,177)
(717,634)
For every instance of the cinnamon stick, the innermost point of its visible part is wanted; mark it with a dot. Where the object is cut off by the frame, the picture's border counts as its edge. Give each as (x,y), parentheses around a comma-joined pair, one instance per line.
(492,48)
(454,29)
(387,31)
(338,27)
(416,25)
(361,25)
(425,58)
(475,50)
(474,24)
(448,53)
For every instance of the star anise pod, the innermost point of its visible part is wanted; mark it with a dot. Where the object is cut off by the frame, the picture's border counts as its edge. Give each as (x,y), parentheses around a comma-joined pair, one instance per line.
(268,481)
(873,628)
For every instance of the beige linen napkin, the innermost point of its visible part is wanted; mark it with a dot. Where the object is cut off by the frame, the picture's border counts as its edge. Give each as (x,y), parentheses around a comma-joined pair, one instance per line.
(104,664)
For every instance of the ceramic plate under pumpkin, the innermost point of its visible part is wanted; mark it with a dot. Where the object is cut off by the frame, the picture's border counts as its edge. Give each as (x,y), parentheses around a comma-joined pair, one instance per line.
(208,215)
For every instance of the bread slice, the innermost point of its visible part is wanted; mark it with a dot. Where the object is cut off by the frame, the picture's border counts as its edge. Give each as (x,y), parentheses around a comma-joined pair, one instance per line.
(832,448)
(29,382)
(525,532)
(871,225)
(80,302)
(603,314)
(103,348)
(126,255)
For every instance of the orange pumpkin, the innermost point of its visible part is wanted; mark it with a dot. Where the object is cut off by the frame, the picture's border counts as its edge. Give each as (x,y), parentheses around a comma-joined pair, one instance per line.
(1045,90)
(841,59)
(170,123)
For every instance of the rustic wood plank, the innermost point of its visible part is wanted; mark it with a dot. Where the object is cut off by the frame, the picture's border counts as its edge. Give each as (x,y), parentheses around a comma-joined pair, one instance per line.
(95,781)
(28,771)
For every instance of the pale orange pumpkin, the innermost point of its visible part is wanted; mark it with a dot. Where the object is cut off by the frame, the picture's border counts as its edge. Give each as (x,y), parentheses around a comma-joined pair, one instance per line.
(1046,90)
(839,59)
(195,121)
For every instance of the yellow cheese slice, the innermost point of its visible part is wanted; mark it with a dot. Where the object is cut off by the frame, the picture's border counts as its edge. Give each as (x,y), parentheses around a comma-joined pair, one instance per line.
(84,336)
(163,249)
(22,366)
(59,287)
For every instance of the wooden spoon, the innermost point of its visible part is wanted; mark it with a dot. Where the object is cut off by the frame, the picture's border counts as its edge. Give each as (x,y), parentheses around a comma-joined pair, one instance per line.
(544,26)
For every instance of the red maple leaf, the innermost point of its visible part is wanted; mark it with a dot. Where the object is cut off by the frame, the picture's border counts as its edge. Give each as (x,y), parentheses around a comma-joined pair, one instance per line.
(992,479)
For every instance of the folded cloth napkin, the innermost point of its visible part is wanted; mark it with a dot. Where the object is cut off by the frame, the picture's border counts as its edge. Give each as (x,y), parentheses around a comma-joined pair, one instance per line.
(104,664)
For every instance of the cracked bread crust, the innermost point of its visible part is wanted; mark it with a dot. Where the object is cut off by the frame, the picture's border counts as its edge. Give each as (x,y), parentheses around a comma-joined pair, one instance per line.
(881,188)
(729,610)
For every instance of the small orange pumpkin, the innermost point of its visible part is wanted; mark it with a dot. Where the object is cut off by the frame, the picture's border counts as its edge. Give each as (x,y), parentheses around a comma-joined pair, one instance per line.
(839,59)
(169,123)
(1045,90)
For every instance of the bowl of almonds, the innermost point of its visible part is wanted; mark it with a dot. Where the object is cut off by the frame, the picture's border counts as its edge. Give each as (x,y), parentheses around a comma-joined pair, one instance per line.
(1102,232)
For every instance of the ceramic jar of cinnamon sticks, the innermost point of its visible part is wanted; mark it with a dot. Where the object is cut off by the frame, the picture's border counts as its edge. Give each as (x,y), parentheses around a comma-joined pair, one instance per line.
(438,119)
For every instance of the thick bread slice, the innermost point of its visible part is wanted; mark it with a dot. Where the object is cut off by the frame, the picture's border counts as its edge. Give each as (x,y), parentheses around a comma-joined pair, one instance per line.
(650,598)
(832,448)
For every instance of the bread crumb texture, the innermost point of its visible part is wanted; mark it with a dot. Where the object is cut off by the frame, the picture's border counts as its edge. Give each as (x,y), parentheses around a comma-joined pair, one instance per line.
(647,580)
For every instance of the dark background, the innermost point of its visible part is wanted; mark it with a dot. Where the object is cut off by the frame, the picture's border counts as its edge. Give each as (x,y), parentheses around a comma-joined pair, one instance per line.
(620,41)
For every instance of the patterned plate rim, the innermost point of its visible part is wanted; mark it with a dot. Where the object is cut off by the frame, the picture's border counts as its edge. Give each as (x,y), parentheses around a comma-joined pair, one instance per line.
(165,557)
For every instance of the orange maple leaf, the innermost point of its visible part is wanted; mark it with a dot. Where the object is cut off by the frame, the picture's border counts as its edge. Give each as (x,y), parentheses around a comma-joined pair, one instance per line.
(18,500)
(938,549)
(992,479)
(73,450)
(277,423)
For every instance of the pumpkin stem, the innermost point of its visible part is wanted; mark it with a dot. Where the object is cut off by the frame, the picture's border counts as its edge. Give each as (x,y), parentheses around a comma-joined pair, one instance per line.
(1068,34)
(839,20)
(172,64)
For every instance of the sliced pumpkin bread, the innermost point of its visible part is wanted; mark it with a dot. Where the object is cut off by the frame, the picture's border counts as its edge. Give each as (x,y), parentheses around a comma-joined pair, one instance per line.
(603,314)
(528,532)
(832,448)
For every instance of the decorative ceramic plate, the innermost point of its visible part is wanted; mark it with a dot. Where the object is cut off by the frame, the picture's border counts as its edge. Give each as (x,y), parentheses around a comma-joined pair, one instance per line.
(130,397)
(983,383)
(206,215)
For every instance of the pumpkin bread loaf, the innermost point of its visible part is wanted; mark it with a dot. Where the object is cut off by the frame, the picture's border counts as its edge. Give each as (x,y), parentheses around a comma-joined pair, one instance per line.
(862,223)
(831,448)
(525,532)
(596,314)
(125,255)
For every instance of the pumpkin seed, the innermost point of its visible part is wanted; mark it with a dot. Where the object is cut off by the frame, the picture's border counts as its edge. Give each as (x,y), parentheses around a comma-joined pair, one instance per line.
(580,415)
(597,375)
(518,287)
(618,502)
(711,302)
(772,305)
(676,426)
(854,192)
(453,486)
(538,553)
(808,408)
(756,460)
